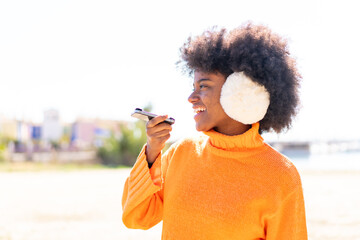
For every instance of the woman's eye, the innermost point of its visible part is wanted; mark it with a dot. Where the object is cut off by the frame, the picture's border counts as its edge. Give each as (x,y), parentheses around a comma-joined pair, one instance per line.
(200,87)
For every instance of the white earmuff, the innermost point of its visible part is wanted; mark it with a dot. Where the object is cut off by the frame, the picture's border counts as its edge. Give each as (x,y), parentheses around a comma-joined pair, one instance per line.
(243,99)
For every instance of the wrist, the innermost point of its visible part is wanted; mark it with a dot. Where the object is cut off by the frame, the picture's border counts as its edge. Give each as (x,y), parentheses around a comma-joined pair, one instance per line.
(151,154)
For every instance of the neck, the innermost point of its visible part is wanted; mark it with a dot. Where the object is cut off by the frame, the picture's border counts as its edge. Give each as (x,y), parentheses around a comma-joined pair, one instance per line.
(233,129)
(228,145)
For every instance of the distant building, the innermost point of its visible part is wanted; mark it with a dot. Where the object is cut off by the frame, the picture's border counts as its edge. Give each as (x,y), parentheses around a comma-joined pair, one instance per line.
(23,131)
(52,129)
(36,133)
(8,128)
(100,136)
(83,133)
(104,129)
(92,132)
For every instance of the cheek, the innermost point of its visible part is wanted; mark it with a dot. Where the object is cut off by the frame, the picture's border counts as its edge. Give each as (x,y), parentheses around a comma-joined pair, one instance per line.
(211,98)
(214,102)
(216,95)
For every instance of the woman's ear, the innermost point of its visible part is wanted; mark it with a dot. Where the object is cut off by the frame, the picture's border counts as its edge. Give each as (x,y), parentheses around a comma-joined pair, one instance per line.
(243,99)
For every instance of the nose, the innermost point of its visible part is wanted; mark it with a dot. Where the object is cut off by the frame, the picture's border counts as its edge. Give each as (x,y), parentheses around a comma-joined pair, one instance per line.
(193,97)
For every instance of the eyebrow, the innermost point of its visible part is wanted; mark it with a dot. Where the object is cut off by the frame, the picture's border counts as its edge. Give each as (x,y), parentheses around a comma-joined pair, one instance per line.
(202,80)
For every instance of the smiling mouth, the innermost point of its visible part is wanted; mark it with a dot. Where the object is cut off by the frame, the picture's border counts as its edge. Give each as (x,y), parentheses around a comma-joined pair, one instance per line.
(199,110)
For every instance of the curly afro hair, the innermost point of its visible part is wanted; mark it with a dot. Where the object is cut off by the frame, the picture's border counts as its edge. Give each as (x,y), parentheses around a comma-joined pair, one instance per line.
(261,55)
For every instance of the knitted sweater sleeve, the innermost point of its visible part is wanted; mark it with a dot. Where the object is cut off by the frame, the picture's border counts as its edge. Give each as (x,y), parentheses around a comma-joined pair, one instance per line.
(142,199)
(289,221)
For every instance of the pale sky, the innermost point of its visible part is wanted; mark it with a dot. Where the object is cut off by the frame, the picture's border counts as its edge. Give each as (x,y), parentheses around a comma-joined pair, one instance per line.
(105,58)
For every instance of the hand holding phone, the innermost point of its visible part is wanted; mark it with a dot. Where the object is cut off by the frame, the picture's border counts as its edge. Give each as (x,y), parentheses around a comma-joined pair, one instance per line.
(158,130)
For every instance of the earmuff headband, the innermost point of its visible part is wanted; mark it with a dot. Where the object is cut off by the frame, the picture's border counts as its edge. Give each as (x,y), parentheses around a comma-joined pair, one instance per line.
(243,99)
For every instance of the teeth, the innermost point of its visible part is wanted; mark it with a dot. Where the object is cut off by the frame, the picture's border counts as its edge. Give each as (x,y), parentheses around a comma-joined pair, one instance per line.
(199,109)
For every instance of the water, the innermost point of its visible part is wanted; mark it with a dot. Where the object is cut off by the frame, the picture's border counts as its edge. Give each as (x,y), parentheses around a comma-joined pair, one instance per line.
(341,161)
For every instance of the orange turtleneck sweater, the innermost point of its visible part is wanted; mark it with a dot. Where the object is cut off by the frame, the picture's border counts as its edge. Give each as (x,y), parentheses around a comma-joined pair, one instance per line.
(217,187)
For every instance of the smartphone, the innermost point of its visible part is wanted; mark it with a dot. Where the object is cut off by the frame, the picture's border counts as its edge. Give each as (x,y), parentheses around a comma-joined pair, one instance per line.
(146,116)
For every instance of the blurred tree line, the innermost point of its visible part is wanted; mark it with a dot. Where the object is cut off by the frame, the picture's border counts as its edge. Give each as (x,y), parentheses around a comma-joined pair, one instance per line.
(124,149)
(4,141)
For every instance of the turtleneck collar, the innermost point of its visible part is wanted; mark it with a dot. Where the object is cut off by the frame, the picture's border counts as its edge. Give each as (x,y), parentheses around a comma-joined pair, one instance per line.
(249,140)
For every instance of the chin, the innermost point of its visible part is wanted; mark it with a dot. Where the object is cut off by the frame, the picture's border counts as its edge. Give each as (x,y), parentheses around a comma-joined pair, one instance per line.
(202,128)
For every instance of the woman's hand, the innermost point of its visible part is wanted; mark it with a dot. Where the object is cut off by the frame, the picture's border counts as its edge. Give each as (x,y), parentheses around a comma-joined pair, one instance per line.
(158,132)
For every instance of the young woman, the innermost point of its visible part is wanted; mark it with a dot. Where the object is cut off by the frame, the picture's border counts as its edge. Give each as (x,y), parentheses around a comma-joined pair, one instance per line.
(228,184)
